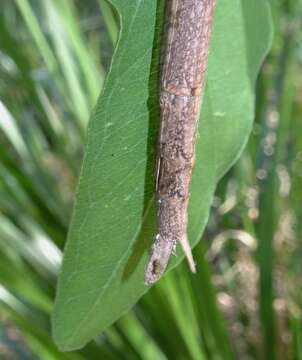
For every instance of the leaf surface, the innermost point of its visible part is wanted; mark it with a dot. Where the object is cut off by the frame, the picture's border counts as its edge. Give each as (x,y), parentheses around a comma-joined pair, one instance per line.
(113,223)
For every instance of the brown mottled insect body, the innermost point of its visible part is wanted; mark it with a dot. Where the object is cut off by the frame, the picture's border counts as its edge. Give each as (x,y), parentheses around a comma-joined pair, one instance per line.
(156,267)
(182,83)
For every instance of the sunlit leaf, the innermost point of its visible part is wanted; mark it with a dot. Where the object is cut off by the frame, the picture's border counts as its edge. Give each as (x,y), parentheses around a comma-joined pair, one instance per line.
(113,223)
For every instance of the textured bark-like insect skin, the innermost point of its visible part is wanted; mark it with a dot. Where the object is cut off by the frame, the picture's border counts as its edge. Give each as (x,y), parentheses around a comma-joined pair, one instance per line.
(182,83)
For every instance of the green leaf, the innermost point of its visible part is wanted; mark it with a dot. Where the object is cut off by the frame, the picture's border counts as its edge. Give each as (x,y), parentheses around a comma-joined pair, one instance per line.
(113,223)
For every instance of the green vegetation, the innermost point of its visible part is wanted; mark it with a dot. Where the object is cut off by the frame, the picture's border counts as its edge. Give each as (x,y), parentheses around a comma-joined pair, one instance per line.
(245,299)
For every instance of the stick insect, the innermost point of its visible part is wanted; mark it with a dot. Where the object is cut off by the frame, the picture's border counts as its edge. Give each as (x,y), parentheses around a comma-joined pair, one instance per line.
(189,25)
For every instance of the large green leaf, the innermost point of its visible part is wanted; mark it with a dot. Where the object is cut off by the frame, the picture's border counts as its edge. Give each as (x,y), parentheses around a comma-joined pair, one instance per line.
(113,222)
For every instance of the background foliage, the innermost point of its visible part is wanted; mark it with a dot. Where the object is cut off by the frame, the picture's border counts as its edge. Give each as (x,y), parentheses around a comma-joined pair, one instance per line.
(245,301)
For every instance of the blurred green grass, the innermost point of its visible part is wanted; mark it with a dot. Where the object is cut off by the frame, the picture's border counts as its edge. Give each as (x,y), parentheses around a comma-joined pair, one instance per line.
(245,300)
